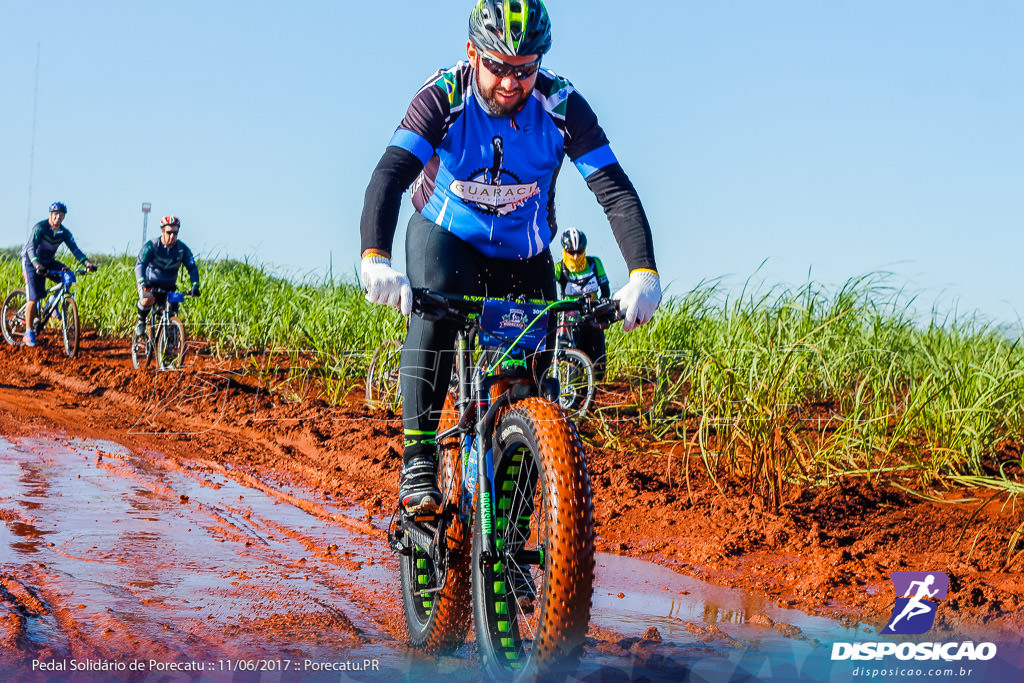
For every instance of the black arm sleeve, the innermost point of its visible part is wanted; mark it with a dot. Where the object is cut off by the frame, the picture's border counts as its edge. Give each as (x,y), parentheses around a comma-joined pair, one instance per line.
(622,206)
(395,171)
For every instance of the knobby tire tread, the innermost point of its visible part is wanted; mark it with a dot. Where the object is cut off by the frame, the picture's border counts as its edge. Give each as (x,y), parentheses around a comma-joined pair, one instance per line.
(451,617)
(564,601)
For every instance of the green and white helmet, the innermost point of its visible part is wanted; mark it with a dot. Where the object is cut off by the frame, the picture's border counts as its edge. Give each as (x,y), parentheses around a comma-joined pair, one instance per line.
(511,27)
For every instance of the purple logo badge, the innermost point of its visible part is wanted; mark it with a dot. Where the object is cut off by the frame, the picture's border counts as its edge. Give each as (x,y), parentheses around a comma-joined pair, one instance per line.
(917,598)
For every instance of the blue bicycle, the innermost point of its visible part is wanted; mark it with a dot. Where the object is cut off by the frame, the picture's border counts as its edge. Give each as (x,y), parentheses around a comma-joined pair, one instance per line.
(58,304)
(512,546)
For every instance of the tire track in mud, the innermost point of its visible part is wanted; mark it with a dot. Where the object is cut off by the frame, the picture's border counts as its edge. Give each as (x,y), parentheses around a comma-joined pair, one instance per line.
(335,464)
(271,578)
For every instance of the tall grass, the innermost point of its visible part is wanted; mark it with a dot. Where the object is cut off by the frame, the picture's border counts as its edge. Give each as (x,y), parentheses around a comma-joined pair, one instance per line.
(774,386)
(307,323)
(796,386)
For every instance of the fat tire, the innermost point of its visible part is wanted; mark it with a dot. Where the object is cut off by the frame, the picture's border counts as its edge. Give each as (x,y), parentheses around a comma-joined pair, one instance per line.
(69,326)
(12,313)
(548,641)
(440,624)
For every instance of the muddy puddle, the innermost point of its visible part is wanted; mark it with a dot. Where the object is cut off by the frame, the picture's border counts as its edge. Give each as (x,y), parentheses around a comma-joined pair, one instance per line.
(652,595)
(115,555)
(135,555)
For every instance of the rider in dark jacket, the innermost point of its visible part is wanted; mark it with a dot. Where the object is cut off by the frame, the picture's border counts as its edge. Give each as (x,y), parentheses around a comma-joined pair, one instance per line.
(40,256)
(157,266)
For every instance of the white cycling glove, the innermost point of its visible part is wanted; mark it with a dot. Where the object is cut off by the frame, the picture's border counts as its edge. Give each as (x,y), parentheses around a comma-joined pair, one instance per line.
(639,299)
(384,285)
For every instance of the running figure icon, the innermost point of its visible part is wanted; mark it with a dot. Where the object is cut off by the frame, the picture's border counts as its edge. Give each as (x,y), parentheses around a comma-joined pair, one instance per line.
(920,593)
(917,606)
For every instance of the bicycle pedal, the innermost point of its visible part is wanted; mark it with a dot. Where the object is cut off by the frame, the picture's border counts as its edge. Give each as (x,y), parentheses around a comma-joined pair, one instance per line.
(424,517)
(397,542)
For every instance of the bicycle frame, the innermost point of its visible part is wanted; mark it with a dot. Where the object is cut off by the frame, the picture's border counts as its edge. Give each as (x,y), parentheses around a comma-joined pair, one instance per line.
(55,295)
(162,310)
(498,379)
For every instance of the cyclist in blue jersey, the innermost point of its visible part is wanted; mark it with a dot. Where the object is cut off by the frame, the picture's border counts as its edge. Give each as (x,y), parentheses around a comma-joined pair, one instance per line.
(481,146)
(157,266)
(40,256)
(580,275)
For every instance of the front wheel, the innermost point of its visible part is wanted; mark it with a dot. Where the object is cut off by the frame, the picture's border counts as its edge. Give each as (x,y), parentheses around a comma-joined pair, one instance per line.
(170,346)
(69,325)
(575,374)
(13,316)
(531,600)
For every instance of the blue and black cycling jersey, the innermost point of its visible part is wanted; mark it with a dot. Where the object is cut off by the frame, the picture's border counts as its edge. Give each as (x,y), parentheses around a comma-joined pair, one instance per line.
(490,180)
(158,265)
(41,248)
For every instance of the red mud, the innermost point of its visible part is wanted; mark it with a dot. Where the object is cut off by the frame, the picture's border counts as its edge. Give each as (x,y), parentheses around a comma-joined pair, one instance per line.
(827,552)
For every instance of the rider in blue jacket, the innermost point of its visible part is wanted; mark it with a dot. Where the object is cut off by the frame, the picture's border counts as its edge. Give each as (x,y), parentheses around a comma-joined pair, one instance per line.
(481,145)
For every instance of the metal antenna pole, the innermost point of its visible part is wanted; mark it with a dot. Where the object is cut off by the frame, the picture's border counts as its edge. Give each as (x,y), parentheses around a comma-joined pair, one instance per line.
(32,152)
(146,208)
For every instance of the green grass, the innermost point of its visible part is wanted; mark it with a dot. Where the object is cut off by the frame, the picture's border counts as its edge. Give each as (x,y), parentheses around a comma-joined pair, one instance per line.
(308,324)
(775,387)
(799,386)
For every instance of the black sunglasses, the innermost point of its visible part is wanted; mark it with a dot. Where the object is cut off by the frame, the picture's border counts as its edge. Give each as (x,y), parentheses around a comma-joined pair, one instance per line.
(503,69)
(171,232)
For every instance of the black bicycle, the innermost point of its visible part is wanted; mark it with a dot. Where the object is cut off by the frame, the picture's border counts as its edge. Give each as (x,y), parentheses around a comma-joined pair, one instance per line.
(59,304)
(572,367)
(512,546)
(164,336)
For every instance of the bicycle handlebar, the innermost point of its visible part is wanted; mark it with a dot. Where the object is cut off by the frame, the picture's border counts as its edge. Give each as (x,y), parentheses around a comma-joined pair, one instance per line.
(160,290)
(55,274)
(437,305)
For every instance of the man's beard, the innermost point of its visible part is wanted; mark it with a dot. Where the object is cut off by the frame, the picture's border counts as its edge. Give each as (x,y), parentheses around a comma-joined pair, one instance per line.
(490,102)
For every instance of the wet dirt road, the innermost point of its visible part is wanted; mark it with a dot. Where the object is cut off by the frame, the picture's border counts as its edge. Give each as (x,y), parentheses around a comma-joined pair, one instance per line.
(114,557)
(200,518)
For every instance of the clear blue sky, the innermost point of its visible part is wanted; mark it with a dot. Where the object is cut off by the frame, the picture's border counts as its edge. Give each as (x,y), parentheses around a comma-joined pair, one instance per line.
(840,137)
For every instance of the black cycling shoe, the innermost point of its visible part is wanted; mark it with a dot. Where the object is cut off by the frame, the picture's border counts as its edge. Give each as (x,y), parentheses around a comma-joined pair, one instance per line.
(418,491)
(140,329)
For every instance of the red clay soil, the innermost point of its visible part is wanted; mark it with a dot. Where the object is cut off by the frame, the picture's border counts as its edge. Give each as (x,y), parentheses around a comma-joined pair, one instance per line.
(828,551)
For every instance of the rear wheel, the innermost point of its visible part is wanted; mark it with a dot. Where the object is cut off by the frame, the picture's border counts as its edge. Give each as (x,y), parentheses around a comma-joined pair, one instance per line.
(142,350)
(69,325)
(382,384)
(575,374)
(171,344)
(531,603)
(13,316)
(435,590)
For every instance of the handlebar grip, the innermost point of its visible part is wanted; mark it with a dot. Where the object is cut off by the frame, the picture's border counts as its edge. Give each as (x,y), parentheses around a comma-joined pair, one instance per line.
(428,305)
(606,313)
